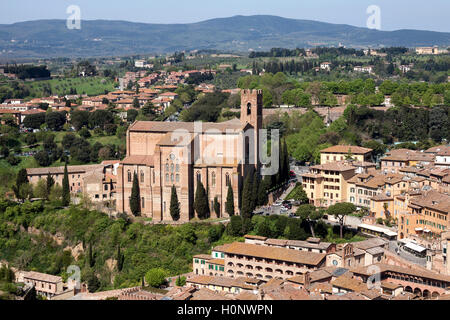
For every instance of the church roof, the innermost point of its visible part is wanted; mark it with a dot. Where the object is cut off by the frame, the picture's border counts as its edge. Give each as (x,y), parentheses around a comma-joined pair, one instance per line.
(158,126)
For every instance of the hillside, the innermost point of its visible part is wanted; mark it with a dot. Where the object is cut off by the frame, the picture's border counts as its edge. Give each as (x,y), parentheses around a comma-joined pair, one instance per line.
(51,38)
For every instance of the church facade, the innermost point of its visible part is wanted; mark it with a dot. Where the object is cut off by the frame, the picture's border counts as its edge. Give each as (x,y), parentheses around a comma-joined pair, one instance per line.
(180,154)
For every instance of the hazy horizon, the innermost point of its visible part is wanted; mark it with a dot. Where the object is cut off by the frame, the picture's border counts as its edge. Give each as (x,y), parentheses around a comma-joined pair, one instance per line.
(395,15)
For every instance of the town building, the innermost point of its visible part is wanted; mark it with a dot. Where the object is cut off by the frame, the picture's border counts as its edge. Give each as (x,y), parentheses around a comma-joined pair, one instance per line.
(341,152)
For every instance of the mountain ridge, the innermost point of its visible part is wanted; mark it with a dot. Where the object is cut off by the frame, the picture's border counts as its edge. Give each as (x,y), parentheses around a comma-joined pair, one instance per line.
(51,38)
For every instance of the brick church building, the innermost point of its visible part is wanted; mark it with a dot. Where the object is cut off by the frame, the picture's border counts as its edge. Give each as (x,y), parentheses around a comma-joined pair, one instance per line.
(166,154)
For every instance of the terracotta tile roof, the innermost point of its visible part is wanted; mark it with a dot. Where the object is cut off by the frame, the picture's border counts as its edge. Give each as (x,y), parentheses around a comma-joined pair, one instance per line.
(42,277)
(145,160)
(390,285)
(60,170)
(307,244)
(217,261)
(276,242)
(282,254)
(347,283)
(158,126)
(345,149)
(222,247)
(413,272)
(433,200)
(334,166)
(203,256)
(206,294)
(408,155)
(246,295)
(252,237)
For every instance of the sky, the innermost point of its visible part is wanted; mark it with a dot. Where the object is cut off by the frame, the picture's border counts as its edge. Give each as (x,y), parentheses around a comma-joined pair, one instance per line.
(395,14)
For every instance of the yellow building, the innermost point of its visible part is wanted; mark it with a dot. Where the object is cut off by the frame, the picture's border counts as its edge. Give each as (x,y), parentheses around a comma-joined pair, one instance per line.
(326,184)
(426,215)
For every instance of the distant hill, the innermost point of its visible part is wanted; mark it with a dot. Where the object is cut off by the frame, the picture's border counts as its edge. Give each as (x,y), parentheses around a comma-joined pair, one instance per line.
(51,38)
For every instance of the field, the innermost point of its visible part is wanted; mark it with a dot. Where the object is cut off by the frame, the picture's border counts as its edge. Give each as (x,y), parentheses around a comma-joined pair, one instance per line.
(89,86)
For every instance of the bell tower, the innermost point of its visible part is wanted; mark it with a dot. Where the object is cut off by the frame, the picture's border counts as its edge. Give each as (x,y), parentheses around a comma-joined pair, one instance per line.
(251,107)
(251,113)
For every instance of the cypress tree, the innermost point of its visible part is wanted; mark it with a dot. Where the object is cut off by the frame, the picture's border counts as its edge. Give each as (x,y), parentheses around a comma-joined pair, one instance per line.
(285,161)
(262,191)
(255,187)
(66,188)
(91,257)
(217,207)
(174,205)
(21,179)
(120,259)
(247,197)
(135,199)
(201,202)
(50,184)
(229,205)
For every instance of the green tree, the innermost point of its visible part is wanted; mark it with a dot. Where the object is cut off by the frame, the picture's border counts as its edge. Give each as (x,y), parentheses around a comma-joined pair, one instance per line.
(21,179)
(156,277)
(120,259)
(229,205)
(247,197)
(234,228)
(174,205)
(135,198)
(181,281)
(340,211)
(298,194)
(217,207)
(92,282)
(294,230)
(66,187)
(262,191)
(50,182)
(201,202)
(310,214)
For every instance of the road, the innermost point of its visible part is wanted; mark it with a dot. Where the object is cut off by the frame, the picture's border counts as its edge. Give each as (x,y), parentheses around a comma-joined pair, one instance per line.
(394,247)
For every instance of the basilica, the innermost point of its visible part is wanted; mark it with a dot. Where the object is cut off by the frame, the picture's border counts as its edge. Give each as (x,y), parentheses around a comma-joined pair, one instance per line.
(182,154)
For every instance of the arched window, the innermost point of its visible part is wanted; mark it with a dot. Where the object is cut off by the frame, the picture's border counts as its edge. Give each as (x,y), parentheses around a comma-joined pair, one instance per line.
(167,177)
(171,167)
(142,175)
(227,179)
(213,179)
(177,168)
(177,178)
(143,202)
(129,175)
(167,167)
(199,176)
(171,177)
(249,108)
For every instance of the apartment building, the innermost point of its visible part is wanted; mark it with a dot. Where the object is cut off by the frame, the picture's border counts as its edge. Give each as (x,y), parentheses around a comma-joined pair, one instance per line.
(327,184)
(427,215)
(263,262)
